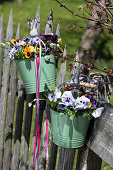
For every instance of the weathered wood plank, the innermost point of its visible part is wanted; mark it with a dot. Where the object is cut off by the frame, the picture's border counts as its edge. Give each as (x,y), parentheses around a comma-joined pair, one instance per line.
(18,126)
(10,114)
(41,110)
(88,160)
(1,49)
(66,159)
(66,156)
(62,72)
(58,29)
(53,147)
(100,137)
(10,118)
(52,156)
(49,25)
(26,132)
(4,90)
(42,158)
(33,139)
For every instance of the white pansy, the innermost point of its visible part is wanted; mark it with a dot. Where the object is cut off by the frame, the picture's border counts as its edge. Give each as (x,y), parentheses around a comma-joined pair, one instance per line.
(81,103)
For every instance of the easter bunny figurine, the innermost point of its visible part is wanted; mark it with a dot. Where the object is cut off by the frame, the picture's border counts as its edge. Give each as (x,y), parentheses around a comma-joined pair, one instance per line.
(33,26)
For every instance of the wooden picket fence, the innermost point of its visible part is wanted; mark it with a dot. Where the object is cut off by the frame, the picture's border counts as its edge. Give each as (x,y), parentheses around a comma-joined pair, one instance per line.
(17,134)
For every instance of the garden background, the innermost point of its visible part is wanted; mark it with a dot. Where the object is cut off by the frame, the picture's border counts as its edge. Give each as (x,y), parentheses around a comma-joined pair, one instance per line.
(70,37)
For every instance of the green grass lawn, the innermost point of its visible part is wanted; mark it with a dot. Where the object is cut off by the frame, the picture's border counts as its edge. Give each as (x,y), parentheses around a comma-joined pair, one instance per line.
(70,37)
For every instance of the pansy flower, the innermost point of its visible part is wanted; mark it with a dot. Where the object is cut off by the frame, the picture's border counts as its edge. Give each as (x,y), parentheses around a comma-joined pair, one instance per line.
(28,51)
(12,52)
(13,41)
(92,103)
(82,103)
(55,95)
(62,106)
(67,98)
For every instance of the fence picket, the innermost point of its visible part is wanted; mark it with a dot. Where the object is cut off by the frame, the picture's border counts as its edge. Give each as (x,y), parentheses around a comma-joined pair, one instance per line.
(58,29)
(1,48)
(88,160)
(4,90)
(33,139)
(10,116)
(49,25)
(66,159)
(18,127)
(66,156)
(62,72)
(26,133)
(53,147)
(42,159)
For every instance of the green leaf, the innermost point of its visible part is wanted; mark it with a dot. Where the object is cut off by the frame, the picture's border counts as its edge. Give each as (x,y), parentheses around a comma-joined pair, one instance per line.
(61,113)
(72,117)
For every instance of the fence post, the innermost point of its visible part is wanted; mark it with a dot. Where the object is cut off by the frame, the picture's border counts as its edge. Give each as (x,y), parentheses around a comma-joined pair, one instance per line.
(18,127)
(88,160)
(4,91)
(66,156)
(33,139)
(42,159)
(53,147)
(10,114)
(1,48)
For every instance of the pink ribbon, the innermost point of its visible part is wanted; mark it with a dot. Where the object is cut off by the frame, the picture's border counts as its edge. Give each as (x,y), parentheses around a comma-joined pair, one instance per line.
(47,135)
(37,143)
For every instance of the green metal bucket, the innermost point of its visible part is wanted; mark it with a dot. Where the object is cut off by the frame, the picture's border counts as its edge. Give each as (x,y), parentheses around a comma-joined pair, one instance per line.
(26,68)
(69,133)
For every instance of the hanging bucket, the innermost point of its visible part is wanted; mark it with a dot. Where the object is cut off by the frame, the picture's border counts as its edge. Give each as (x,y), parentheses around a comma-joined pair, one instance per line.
(69,133)
(26,68)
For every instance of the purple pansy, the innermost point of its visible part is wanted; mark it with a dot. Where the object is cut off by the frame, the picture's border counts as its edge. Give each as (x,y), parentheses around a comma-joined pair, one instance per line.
(32,41)
(82,103)
(67,98)
(62,106)
(55,95)
(26,39)
(12,52)
(93,104)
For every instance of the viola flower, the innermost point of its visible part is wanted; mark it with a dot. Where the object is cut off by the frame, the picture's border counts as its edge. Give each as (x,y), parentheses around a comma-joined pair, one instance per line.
(97,113)
(18,40)
(82,103)
(92,103)
(55,95)
(62,106)
(67,98)
(28,51)
(32,41)
(13,41)
(26,39)
(22,43)
(12,52)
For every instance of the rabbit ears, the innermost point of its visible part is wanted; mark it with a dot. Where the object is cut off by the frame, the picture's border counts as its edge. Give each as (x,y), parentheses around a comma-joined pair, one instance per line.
(32,24)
